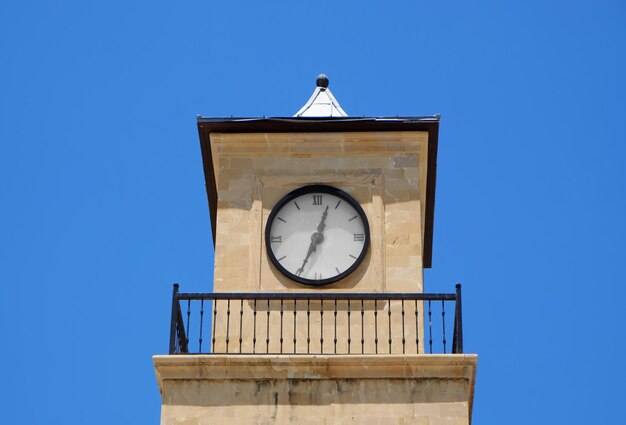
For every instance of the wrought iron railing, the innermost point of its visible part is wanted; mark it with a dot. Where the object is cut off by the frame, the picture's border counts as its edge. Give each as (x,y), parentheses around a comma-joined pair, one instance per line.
(315,323)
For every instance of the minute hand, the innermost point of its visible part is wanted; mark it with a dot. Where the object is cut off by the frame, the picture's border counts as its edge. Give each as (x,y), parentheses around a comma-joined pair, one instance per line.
(322,225)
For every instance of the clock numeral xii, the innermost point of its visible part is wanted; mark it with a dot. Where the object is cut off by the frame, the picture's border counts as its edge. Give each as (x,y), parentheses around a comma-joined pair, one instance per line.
(317,199)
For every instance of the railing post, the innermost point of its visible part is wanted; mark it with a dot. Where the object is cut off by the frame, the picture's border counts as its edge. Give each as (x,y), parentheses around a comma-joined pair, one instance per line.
(458,319)
(173,324)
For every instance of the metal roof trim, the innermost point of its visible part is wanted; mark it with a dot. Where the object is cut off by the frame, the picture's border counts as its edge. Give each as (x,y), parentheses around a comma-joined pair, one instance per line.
(408,119)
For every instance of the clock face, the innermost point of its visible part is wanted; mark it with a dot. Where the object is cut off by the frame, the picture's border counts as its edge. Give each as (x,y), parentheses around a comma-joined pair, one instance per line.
(317,235)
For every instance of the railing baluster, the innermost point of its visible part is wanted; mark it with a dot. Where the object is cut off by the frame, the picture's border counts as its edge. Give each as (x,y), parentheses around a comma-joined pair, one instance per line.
(362,328)
(201,319)
(417,330)
(281,326)
(267,334)
(308,325)
(227,324)
(188,314)
(349,338)
(389,320)
(214,322)
(254,328)
(443,324)
(376,325)
(322,326)
(430,328)
(403,338)
(335,340)
(295,310)
(240,324)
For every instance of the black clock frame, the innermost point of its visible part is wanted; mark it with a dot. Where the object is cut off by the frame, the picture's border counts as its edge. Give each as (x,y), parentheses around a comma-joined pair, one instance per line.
(317,188)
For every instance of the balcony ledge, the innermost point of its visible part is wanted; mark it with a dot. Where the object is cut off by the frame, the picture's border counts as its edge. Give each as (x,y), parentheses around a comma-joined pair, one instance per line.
(315,366)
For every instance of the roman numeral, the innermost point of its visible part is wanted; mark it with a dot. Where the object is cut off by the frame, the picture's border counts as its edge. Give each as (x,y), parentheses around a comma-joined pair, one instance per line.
(317,199)
(359,237)
(278,239)
(317,277)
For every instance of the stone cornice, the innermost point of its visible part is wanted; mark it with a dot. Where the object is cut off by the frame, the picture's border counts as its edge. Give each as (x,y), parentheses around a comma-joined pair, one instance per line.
(260,367)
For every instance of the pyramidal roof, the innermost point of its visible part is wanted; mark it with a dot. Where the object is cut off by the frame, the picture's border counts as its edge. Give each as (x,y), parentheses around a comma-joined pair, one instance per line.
(322,102)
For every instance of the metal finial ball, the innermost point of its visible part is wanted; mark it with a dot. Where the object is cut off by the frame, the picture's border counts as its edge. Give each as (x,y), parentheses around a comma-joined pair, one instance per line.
(322,81)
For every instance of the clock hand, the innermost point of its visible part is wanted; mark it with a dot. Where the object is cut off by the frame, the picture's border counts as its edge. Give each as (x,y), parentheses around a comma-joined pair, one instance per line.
(322,225)
(316,239)
(308,254)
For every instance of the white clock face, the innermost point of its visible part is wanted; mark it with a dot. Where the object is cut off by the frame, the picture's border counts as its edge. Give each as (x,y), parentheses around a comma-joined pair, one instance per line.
(317,235)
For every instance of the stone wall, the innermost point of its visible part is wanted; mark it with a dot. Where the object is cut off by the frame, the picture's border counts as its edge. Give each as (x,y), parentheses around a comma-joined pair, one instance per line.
(384,171)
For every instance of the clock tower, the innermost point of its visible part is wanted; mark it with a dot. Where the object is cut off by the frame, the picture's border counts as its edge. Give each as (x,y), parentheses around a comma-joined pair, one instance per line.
(322,226)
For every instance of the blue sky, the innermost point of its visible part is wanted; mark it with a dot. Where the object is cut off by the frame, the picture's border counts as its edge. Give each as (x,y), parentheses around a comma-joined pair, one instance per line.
(102,201)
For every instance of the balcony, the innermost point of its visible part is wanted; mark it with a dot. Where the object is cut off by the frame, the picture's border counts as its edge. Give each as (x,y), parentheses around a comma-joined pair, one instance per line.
(316,323)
